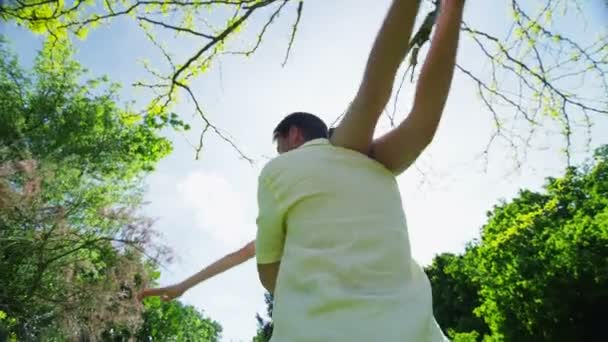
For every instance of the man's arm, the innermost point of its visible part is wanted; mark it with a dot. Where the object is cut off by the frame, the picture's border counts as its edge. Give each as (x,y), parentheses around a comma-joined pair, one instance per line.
(225,263)
(268,275)
(400,147)
(357,128)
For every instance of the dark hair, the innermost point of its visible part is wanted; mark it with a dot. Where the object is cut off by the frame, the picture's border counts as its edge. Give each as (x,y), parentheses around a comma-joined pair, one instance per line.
(312,126)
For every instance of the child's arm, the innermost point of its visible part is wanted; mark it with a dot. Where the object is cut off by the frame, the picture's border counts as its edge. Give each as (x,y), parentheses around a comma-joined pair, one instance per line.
(225,263)
(400,147)
(356,129)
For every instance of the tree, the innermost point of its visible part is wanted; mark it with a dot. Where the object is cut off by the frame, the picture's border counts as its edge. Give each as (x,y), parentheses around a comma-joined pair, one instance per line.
(455,296)
(58,20)
(533,82)
(264,332)
(541,261)
(68,272)
(50,115)
(173,321)
(538,272)
(73,247)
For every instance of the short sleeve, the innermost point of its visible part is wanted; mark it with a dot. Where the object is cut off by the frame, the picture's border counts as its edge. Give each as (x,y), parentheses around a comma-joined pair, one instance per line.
(270,237)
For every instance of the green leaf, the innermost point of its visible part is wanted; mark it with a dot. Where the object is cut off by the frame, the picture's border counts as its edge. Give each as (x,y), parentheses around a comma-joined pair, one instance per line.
(535,28)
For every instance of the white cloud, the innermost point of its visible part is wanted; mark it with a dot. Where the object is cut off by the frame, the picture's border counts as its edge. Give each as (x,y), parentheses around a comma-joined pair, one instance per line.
(215,216)
(219,209)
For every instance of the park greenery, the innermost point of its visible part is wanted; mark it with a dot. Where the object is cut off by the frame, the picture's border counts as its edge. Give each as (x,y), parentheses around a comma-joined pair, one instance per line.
(75,247)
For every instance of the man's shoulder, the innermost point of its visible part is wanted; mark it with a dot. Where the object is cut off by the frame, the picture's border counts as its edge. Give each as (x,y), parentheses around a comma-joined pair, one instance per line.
(288,163)
(274,167)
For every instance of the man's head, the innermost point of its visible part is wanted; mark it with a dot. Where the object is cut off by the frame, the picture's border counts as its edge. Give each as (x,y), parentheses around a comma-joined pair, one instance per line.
(296,129)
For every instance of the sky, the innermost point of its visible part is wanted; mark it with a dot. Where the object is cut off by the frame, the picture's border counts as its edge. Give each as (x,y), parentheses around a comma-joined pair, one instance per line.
(206,208)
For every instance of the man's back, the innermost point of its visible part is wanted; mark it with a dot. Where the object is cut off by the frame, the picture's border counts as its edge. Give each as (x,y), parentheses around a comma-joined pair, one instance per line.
(346,270)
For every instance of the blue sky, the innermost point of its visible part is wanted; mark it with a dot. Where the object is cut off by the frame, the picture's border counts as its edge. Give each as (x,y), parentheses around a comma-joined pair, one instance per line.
(206,208)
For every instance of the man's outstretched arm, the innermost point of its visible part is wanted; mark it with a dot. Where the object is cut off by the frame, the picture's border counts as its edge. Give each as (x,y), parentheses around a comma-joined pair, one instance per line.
(356,129)
(400,147)
(225,263)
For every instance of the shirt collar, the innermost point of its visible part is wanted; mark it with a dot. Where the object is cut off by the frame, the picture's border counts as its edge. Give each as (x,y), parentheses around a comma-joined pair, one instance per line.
(314,142)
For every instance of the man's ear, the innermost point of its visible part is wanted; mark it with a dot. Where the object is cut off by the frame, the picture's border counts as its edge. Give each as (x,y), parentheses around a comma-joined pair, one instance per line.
(296,137)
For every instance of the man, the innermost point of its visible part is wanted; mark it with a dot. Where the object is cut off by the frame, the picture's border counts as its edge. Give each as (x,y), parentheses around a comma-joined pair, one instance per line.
(219,266)
(332,243)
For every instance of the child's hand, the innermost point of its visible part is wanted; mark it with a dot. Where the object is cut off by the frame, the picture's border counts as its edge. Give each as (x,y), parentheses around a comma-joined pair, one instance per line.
(165,293)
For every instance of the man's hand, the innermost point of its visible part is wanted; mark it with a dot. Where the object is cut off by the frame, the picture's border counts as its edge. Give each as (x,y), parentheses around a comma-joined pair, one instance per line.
(165,293)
